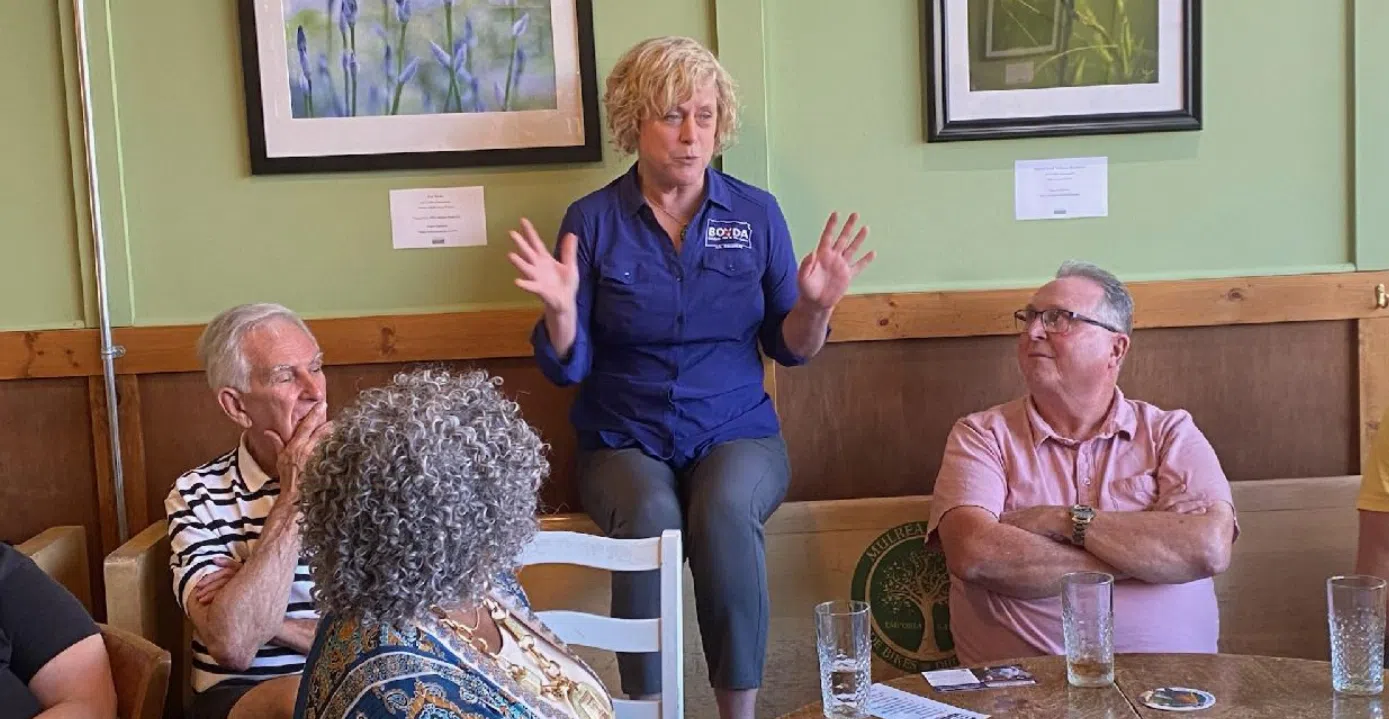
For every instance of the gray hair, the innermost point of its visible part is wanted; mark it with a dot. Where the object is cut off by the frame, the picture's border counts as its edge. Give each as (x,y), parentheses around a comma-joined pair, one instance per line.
(424,491)
(1117,306)
(219,347)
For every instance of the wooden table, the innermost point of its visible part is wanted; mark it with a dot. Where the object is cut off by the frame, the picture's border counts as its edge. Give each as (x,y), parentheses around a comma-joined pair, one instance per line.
(1247,687)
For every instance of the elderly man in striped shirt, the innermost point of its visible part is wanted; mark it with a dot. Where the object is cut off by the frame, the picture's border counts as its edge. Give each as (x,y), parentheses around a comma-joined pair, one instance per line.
(233,523)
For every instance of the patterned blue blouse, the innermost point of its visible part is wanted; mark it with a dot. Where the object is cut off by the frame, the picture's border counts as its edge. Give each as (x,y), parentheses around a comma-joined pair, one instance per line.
(365,670)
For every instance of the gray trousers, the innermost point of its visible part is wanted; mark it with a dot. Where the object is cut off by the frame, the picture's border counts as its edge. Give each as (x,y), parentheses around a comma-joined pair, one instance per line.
(719,503)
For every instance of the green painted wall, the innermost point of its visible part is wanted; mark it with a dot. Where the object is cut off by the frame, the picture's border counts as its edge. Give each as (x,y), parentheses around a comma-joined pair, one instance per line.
(1270,186)
(40,267)
(1371,137)
(1263,188)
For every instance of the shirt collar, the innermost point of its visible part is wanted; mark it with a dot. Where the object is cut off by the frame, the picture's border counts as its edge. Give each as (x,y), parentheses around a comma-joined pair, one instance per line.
(716,188)
(251,473)
(1120,420)
(629,190)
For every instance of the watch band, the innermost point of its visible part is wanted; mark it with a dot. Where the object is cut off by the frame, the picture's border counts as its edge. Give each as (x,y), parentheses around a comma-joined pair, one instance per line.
(1081,516)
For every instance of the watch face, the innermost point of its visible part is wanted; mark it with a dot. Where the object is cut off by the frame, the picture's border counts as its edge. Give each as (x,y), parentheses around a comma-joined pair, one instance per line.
(1083,512)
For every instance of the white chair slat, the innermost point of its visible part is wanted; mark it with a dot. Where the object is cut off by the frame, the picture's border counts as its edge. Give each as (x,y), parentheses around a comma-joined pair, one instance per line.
(591,630)
(625,555)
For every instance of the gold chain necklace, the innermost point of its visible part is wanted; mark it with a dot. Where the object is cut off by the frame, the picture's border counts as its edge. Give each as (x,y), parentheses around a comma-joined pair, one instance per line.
(585,702)
(682,221)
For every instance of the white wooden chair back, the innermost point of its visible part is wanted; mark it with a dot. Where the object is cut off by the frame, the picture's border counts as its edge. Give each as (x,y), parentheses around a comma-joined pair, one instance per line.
(664,635)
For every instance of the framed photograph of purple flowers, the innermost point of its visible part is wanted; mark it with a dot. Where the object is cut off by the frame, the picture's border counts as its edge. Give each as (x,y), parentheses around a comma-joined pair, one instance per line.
(344,85)
(1037,68)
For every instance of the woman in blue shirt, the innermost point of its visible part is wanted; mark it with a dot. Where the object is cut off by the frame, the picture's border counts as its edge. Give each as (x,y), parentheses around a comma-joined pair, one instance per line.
(663,286)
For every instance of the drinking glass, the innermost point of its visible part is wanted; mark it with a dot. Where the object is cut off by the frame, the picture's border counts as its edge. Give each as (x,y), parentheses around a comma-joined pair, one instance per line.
(1087,621)
(841,636)
(1355,614)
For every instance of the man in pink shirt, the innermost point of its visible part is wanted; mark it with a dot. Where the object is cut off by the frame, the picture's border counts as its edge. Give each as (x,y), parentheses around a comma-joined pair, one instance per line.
(1075,477)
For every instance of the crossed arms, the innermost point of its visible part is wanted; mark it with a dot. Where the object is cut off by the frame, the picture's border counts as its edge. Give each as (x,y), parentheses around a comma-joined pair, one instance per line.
(1024,554)
(1185,535)
(241,607)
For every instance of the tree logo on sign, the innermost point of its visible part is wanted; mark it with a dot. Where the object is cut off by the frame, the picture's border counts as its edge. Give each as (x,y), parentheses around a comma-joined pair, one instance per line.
(908,587)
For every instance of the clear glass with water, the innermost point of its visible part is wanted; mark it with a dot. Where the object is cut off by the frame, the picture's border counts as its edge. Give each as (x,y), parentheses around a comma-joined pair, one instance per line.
(1087,621)
(846,658)
(1355,614)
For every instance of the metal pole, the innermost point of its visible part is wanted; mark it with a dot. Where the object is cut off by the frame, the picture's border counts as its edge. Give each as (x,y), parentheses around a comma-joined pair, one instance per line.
(109,350)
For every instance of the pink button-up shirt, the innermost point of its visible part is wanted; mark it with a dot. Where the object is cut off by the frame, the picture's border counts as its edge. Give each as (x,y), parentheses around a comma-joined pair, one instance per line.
(1008,458)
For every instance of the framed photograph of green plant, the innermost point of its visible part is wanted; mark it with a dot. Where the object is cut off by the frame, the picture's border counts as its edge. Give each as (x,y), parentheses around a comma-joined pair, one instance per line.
(343,85)
(1036,68)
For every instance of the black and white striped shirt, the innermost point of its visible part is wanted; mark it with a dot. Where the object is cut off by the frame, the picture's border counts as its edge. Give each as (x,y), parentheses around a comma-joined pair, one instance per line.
(219,510)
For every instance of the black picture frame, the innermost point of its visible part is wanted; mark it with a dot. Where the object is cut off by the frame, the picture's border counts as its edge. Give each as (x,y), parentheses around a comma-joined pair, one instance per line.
(590,150)
(940,127)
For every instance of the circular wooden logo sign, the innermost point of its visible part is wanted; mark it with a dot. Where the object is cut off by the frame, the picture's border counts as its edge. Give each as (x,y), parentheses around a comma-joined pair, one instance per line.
(907,586)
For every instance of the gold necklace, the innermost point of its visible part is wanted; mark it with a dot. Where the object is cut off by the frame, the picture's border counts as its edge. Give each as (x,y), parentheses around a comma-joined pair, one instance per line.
(477,620)
(683,222)
(585,702)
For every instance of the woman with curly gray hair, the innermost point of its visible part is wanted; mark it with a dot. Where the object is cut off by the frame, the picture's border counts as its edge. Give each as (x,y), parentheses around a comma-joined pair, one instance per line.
(663,286)
(415,511)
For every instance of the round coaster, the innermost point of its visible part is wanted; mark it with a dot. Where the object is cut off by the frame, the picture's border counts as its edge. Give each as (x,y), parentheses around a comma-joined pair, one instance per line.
(1178,699)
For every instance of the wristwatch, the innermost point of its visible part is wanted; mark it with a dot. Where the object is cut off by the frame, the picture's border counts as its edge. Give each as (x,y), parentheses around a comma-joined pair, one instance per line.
(1081,516)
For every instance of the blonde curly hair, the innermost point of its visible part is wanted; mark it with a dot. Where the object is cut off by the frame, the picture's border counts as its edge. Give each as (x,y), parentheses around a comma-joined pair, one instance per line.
(658,74)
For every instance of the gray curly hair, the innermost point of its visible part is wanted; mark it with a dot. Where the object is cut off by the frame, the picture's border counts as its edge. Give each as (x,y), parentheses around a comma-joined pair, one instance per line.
(424,491)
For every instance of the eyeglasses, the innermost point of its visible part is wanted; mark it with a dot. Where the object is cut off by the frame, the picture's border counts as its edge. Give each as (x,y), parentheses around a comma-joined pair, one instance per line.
(1057,321)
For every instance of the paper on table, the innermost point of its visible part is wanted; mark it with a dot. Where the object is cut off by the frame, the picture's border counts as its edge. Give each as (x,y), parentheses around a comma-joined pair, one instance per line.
(886,702)
(995,677)
(438,217)
(1061,189)
(948,678)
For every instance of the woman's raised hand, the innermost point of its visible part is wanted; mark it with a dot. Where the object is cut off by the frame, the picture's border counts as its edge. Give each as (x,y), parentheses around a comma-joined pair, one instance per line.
(554,281)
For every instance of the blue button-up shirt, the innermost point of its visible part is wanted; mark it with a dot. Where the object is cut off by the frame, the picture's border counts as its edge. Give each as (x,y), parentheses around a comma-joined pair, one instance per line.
(667,341)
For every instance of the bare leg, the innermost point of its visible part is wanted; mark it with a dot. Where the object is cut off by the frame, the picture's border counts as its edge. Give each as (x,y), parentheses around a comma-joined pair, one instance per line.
(272,699)
(736,703)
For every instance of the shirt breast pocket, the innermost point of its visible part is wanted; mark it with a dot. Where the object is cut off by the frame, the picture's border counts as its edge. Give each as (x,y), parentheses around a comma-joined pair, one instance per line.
(619,279)
(732,280)
(1134,494)
(628,304)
